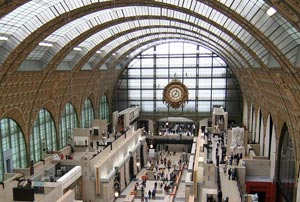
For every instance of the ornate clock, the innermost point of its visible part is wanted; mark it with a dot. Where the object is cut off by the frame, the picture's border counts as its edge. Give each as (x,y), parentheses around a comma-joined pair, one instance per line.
(175,94)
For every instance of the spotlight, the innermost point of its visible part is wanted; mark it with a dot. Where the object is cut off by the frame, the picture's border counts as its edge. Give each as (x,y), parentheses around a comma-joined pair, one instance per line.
(117,194)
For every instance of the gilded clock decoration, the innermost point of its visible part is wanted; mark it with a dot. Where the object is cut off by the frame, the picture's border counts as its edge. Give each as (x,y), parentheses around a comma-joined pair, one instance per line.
(175,94)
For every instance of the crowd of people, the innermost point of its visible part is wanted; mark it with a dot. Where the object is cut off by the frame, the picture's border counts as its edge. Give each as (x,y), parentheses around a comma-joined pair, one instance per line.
(235,158)
(187,129)
(165,174)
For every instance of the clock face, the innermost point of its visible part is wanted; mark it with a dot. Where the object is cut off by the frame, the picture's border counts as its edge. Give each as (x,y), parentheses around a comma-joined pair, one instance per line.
(175,94)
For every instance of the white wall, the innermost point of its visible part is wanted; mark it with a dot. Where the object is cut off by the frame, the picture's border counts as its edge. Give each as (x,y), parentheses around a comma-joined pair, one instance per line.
(120,150)
(203,122)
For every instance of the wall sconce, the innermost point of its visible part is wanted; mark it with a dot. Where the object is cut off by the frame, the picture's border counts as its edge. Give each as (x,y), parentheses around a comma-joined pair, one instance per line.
(117,185)
(116,194)
(151,143)
(138,163)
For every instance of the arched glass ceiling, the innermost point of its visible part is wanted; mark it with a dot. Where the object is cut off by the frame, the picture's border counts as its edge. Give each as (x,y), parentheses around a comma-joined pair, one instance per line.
(27,18)
(139,43)
(143,31)
(127,54)
(144,49)
(249,9)
(156,31)
(90,42)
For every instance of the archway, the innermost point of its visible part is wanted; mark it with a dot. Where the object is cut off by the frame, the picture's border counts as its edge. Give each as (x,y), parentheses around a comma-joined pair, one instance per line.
(259,133)
(270,145)
(252,123)
(286,167)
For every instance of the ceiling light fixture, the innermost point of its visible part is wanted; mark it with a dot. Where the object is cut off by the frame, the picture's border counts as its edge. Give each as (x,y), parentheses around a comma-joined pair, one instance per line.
(271,11)
(77,48)
(3,38)
(45,44)
(98,51)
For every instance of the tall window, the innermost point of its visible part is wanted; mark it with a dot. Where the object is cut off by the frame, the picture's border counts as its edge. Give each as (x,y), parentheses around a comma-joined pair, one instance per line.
(43,135)
(87,114)
(12,147)
(104,109)
(286,167)
(208,79)
(67,123)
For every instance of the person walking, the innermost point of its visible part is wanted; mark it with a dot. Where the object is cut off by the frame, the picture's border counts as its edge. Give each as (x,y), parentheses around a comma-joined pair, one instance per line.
(229,173)
(233,174)
(153,194)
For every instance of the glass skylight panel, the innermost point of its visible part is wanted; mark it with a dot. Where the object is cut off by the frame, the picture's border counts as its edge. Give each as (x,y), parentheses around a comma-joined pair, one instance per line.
(291,52)
(236,29)
(207,11)
(249,11)
(226,2)
(138,11)
(217,17)
(286,26)
(198,8)
(260,51)
(235,4)
(242,5)
(128,11)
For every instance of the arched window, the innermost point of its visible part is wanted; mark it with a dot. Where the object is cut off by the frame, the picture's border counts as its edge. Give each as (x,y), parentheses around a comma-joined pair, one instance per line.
(252,128)
(87,114)
(269,141)
(12,147)
(43,135)
(270,145)
(209,80)
(286,167)
(259,135)
(245,114)
(104,109)
(67,123)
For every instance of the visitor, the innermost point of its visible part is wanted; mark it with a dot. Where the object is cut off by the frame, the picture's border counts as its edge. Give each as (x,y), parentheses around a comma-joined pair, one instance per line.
(229,173)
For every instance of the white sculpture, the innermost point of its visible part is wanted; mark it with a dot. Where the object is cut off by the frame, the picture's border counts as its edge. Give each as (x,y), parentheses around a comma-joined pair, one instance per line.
(237,137)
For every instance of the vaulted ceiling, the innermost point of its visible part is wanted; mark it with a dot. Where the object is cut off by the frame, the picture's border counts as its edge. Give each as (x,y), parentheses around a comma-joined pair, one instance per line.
(101,35)
(90,34)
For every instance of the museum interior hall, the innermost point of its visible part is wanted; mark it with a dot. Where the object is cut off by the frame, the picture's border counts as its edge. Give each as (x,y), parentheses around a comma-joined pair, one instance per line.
(150,100)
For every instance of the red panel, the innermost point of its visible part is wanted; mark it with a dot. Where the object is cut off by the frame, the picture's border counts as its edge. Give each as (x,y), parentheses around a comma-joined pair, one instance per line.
(268,187)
